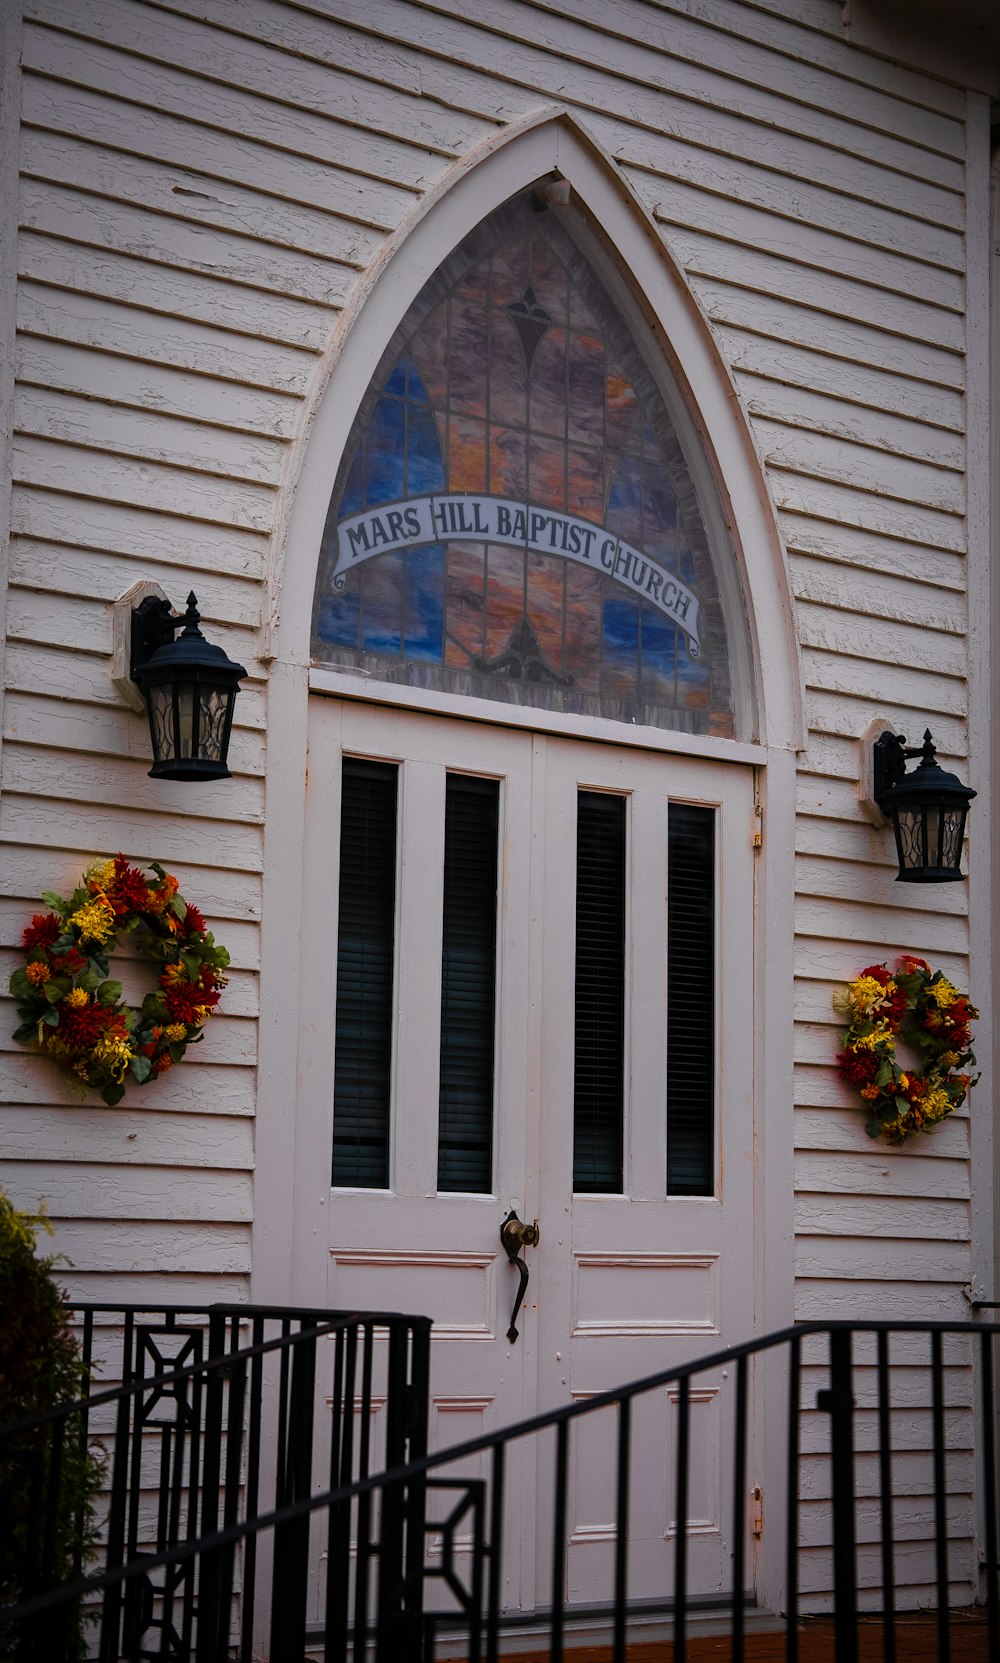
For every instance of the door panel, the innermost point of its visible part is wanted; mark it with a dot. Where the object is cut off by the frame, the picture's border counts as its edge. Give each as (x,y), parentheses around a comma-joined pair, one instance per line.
(634,1283)
(622,1284)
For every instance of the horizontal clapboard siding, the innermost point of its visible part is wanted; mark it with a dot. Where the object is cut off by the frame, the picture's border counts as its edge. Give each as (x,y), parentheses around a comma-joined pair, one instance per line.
(202,183)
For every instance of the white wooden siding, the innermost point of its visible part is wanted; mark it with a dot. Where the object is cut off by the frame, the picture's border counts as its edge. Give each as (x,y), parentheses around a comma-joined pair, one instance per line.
(202,182)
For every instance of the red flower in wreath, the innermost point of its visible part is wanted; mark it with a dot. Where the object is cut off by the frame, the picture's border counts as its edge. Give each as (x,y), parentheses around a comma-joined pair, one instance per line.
(44,929)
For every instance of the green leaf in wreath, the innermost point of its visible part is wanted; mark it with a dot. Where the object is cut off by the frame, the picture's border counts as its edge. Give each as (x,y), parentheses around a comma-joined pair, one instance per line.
(26,1031)
(113,1094)
(178,907)
(884,1074)
(873,1127)
(109,993)
(55,903)
(902,1105)
(51,1018)
(90,979)
(57,988)
(141,1068)
(887,1111)
(20,986)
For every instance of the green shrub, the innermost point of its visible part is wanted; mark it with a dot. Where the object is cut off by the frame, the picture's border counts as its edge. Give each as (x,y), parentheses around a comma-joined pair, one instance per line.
(40,1367)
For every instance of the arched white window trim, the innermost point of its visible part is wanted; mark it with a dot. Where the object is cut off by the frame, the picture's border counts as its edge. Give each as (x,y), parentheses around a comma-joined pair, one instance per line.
(548,142)
(551,141)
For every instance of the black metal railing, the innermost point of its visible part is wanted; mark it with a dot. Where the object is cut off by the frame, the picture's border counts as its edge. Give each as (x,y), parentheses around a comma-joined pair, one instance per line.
(202,1420)
(888,1450)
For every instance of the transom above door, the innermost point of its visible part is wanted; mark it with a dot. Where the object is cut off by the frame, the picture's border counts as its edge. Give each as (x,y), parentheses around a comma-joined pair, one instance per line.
(527,972)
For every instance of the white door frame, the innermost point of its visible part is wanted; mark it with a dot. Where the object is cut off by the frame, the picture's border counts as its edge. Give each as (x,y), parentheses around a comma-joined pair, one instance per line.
(548,141)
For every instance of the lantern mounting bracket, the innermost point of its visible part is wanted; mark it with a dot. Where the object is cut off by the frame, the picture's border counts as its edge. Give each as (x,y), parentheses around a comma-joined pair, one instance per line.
(154,624)
(891,753)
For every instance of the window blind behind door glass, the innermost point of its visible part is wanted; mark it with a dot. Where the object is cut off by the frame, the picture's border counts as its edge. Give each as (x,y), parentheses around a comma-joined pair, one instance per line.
(599,1071)
(691,1000)
(365,946)
(468,984)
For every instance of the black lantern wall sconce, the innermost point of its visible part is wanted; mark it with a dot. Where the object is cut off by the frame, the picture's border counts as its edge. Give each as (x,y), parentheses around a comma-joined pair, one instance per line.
(189,687)
(927,807)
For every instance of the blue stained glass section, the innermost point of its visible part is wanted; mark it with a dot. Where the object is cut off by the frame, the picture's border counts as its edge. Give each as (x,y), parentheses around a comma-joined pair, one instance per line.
(397,380)
(415,388)
(385,454)
(659,642)
(337,623)
(621,634)
(624,500)
(425,468)
(424,610)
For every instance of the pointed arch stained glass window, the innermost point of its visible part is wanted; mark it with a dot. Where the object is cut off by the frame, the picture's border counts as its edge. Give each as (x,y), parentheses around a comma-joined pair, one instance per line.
(515,518)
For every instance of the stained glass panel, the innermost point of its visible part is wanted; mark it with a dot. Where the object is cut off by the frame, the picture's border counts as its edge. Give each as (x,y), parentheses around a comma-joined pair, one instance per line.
(514,517)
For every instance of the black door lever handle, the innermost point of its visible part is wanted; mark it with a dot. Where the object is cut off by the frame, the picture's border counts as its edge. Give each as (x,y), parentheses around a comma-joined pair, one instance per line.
(514,1236)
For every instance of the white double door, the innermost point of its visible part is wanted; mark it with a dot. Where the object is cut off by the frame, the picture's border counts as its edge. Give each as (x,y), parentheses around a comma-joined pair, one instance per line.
(622,1284)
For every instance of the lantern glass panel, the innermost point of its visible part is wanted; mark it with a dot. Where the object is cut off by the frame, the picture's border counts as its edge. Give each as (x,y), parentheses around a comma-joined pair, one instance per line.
(909,837)
(215,705)
(952,830)
(160,704)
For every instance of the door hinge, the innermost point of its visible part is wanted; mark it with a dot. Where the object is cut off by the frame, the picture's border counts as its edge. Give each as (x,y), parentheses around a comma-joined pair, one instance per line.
(757,1525)
(758,826)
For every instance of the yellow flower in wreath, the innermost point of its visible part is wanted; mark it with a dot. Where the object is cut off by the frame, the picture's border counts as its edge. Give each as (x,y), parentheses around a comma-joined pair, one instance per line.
(95,920)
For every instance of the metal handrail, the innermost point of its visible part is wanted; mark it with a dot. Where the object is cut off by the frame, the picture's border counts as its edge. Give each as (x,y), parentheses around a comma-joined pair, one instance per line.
(403,1625)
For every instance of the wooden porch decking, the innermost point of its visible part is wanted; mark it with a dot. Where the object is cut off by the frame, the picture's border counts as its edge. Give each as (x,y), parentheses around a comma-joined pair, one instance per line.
(916,1642)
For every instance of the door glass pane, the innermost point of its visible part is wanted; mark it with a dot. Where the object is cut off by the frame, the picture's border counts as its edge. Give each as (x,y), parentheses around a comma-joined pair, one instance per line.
(364,975)
(691,1000)
(468,984)
(600,993)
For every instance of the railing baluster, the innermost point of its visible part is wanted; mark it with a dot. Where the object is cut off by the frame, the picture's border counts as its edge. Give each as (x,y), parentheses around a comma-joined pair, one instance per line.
(792,1500)
(839,1401)
(496,1555)
(680,1518)
(739,1508)
(252,1491)
(621,1529)
(209,1566)
(86,1368)
(989,1409)
(364,1513)
(117,1508)
(346,1380)
(559,1542)
(885,1502)
(940,1500)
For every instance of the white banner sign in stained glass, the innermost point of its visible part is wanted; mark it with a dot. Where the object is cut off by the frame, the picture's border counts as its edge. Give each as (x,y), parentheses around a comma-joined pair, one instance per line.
(487,519)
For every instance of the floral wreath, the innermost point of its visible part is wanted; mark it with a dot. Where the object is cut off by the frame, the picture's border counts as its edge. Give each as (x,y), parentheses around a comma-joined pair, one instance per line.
(920,1006)
(73,1013)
